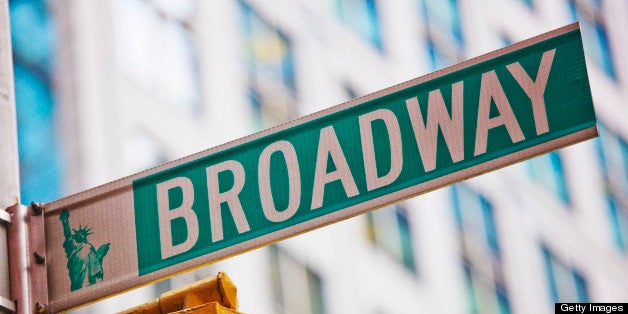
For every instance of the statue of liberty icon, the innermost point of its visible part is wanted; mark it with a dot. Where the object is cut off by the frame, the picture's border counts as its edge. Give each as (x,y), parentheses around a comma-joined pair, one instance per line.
(84,260)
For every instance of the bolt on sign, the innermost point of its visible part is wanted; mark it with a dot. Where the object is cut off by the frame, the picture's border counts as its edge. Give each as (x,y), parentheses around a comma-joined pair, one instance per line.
(485,113)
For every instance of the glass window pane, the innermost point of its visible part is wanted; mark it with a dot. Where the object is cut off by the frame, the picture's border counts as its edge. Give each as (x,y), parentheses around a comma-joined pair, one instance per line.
(548,170)
(594,37)
(593,3)
(475,215)
(405,237)
(297,289)
(389,229)
(157,53)
(565,283)
(529,3)
(386,231)
(503,303)
(271,72)
(315,286)
(484,297)
(269,50)
(581,288)
(619,221)
(177,9)
(33,40)
(471,296)
(361,15)
(30,19)
(178,69)
(40,164)
(613,153)
(444,14)
(438,59)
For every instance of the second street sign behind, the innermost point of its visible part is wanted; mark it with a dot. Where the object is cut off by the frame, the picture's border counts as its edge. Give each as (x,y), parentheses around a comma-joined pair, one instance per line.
(482,114)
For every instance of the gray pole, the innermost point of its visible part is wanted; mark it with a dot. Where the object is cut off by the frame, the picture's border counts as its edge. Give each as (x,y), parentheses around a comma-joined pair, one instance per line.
(9,164)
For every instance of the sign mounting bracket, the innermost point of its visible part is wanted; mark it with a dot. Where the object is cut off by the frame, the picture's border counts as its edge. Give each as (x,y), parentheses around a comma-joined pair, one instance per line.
(27,247)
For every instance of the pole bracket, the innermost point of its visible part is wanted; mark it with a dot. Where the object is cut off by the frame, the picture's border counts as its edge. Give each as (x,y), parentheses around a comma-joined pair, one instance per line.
(28,274)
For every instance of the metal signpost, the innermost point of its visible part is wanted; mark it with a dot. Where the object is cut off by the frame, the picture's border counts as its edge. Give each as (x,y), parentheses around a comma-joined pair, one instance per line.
(482,114)
(9,166)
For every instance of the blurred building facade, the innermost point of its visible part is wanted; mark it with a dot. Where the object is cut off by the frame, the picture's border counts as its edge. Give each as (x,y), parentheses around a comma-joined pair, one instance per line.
(110,88)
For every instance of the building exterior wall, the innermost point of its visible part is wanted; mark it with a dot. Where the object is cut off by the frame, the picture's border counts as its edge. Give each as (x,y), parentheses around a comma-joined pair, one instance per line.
(140,82)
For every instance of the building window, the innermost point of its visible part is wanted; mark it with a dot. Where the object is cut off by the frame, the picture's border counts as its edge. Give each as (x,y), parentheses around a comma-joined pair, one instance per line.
(361,15)
(505,39)
(475,217)
(296,287)
(389,229)
(484,297)
(565,283)
(619,221)
(40,156)
(270,66)
(350,92)
(438,59)
(443,37)
(613,155)
(549,172)
(443,16)
(155,49)
(594,37)
(528,3)
(480,252)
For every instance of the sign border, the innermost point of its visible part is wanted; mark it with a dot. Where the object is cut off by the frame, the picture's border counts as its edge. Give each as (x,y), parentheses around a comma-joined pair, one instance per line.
(126,184)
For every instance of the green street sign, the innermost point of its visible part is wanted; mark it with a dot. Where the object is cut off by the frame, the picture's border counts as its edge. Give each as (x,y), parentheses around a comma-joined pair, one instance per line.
(482,114)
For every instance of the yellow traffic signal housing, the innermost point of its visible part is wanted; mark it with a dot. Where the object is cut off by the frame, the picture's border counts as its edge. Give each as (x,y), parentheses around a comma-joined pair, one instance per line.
(214,295)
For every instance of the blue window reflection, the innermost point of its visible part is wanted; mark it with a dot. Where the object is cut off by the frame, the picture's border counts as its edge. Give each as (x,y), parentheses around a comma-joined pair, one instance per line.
(361,15)
(482,295)
(529,3)
(613,155)
(612,152)
(594,37)
(474,214)
(31,32)
(389,228)
(619,221)
(39,153)
(438,59)
(549,171)
(565,283)
(445,16)
(269,60)
(269,50)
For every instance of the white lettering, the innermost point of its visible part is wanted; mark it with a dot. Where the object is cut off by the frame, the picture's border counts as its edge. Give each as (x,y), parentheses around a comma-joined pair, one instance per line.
(328,145)
(491,90)
(216,198)
(426,133)
(373,181)
(535,89)
(166,215)
(294,184)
